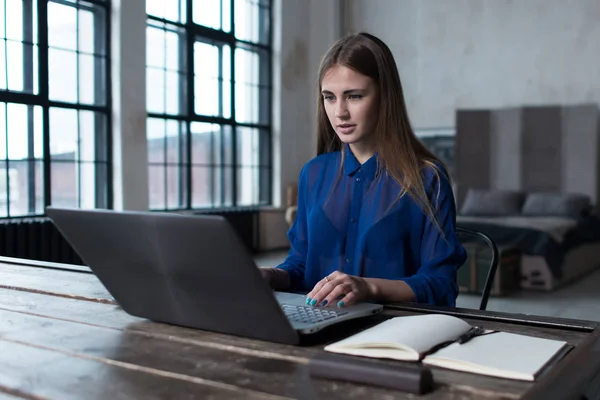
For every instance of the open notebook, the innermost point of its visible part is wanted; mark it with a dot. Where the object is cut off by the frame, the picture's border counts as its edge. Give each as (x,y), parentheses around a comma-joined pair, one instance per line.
(432,339)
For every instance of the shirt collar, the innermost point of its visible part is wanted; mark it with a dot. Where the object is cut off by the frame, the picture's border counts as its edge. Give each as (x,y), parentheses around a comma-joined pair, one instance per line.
(352,166)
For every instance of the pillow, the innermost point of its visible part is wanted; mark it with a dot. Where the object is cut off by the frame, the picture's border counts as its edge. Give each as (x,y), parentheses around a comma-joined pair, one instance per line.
(571,205)
(492,203)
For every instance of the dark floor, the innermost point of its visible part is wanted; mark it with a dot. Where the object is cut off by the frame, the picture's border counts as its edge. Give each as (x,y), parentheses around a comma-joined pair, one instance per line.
(579,300)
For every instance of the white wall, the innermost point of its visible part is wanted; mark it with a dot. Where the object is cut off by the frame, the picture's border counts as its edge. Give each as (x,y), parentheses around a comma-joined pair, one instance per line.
(486,53)
(130,151)
(303,31)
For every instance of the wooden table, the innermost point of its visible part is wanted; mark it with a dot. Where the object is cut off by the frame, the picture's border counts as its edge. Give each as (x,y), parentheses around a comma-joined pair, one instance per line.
(63,337)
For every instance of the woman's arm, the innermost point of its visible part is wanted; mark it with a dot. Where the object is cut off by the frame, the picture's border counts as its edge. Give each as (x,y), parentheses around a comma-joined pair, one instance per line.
(389,291)
(441,251)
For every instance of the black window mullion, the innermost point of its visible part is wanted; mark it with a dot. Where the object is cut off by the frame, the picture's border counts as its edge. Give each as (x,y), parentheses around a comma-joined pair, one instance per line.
(102,137)
(183,94)
(234,130)
(6,164)
(190,97)
(28,88)
(77,155)
(42,12)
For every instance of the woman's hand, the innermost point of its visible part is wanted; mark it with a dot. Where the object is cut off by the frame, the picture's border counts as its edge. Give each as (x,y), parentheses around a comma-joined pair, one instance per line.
(341,289)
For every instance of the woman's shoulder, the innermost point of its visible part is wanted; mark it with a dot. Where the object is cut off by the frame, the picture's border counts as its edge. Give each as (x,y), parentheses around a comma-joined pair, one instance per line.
(435,175)
(320,164)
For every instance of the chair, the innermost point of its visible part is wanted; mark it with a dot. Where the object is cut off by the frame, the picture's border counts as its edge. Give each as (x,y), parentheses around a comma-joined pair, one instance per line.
(493,263)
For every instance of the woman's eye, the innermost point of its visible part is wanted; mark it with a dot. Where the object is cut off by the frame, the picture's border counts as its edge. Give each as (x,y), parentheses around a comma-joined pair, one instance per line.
(355,97)
(328,98)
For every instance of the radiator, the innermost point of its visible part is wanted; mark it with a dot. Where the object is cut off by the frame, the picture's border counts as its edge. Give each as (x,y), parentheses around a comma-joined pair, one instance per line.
(35,239)
(38,239)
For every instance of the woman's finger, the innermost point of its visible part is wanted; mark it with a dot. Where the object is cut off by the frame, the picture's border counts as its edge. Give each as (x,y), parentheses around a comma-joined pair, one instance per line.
(347,300)
(340,291)
(319,293)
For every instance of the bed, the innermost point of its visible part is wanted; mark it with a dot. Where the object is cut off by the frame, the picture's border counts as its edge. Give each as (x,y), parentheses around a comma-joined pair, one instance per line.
(559,242)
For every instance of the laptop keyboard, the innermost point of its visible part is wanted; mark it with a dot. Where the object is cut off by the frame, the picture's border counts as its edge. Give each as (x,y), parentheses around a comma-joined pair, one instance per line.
(309,315)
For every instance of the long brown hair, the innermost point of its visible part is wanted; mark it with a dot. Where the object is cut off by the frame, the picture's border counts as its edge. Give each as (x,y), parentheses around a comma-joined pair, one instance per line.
(401,154)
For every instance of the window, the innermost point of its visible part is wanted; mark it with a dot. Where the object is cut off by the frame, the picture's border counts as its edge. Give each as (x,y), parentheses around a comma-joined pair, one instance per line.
(208,99)
(54,105)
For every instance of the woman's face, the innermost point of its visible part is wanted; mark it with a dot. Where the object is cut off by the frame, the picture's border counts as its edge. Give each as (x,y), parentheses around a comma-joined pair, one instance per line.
(351,102)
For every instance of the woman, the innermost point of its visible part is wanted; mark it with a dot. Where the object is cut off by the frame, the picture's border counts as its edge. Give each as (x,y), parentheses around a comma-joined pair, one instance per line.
(376,213)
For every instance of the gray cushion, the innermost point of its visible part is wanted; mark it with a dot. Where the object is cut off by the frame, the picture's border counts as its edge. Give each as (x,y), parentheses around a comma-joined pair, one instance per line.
(496,203)
(557,204)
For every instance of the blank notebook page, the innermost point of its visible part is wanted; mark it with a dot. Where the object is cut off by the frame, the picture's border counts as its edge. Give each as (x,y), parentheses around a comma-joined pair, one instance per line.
(501,354)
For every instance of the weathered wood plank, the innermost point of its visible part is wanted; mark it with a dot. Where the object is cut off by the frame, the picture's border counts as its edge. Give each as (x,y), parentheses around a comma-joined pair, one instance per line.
(56,282)
(61,280)
(106,315)
(38,373)
(160,356)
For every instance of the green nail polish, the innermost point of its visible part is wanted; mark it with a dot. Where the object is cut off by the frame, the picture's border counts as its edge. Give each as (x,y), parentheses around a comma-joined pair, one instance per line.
(313,302)
(340,304)
(307,300)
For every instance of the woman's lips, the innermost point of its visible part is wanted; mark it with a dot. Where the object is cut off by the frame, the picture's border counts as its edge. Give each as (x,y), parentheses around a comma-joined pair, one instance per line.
(346,128)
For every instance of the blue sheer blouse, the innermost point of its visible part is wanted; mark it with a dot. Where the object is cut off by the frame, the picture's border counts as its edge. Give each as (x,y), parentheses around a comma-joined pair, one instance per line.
(343,223)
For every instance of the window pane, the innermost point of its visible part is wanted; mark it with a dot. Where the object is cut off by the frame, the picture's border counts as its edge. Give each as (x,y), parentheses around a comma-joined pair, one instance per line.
(14,19)
(20,141)
(212,79)
(156,140)
(86,31)
(247,186)
(18,66)
(175,178)
(62,70)
(248,147)
(73,134)
(86,180)
(63,134)
(87,84)
(203,136)
(176,149)
(214,14)
(3,65)
(155,47)
(11,189)
(25,182)
(63,178)
(173,93)
(172,10)
(62,26)
(17,131)
(251,92)
(173,48)
(251,21)
(156,184)
(87,136)
(14,57)
(201,186)
(155,90)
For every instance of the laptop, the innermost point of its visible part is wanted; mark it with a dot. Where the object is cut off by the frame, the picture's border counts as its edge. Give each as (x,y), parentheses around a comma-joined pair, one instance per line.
(192,271)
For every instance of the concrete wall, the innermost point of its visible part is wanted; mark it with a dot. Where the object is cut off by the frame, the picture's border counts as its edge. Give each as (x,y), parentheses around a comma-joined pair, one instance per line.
(486,53)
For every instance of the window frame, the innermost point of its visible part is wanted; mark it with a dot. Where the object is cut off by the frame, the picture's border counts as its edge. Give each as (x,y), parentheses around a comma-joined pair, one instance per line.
(190,33)
(102,126)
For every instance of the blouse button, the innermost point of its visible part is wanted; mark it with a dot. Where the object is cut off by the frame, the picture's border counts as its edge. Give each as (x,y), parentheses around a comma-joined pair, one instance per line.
(347,261)
(357,179)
